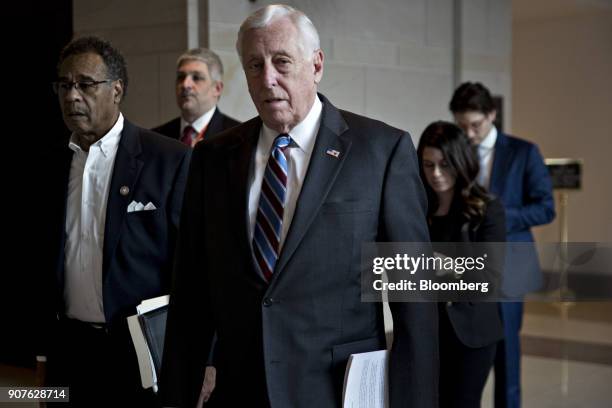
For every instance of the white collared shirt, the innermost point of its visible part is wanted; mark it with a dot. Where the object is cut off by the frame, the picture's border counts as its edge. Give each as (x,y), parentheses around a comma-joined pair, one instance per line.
(88,188)
(303,138)
(486,153)
(200,123)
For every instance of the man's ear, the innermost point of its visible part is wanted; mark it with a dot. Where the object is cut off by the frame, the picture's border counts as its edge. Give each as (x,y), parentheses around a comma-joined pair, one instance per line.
(492,115)
(218,89)
(118,91)
(317,61)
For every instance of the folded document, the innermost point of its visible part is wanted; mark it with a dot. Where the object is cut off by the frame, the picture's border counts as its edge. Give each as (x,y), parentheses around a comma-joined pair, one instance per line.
(365,380)
(147,329)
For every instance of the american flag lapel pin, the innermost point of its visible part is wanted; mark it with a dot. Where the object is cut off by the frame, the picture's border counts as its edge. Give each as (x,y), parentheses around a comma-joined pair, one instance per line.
(333,153)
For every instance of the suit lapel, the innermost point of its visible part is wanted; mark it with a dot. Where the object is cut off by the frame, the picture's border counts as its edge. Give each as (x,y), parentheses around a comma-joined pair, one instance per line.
(320,177)
(501,160)
(215,125)
(241,156)
(175,129)
(126,170)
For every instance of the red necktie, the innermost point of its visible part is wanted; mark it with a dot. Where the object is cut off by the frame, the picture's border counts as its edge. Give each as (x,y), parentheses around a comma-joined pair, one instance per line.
(188,135)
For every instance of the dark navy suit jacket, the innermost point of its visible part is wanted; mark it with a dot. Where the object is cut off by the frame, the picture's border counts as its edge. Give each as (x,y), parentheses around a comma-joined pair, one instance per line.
(521,180)
(138,246)
(290,340)
(218,123)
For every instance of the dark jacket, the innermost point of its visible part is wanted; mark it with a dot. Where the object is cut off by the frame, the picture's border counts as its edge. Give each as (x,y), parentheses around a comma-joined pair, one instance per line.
(288,341)
(218,123)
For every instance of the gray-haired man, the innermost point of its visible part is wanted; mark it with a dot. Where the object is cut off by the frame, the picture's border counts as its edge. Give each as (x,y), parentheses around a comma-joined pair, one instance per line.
(199,84)
(270,245)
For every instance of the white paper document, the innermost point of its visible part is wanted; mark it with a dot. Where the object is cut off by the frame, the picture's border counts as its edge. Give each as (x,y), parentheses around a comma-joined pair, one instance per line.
(365,380)
(152,304)
(148,374)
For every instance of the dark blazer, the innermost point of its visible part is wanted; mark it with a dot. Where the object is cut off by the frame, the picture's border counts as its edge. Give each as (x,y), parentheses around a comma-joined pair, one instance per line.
(138,246)
(289,340)
(218,123)
(521,180)
(478,324)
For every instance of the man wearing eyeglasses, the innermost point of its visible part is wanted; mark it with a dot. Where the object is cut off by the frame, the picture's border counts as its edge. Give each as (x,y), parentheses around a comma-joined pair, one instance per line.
(116,231)
(513,170)
(199,84)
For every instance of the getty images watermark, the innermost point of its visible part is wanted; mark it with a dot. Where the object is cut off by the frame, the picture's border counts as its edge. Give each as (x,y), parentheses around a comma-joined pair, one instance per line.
(438,263)
(485,271)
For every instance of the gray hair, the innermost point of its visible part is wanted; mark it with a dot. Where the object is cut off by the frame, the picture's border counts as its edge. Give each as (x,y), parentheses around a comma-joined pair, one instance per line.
(212,61)
(274,12)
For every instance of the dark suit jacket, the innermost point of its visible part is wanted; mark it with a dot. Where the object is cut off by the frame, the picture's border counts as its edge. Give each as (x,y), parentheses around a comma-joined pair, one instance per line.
(477,324)
(138,246)
(290,339)
(218,123)
(521,180)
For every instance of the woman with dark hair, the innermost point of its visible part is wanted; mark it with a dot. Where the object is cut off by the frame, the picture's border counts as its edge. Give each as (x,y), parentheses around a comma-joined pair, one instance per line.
(460,210)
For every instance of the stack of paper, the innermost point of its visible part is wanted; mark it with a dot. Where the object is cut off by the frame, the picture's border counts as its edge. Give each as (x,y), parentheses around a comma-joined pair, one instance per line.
(365,380)
(147,329)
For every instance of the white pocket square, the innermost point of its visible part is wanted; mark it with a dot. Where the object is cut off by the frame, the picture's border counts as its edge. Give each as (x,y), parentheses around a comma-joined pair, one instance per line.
(138,206)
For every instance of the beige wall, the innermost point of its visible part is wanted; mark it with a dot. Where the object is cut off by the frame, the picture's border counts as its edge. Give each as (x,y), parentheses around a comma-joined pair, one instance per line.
(487,48)
(151,34)
(388,59)
(562,90)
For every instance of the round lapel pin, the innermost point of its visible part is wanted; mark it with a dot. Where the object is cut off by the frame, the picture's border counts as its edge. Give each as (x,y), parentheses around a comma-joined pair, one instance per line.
(125,190)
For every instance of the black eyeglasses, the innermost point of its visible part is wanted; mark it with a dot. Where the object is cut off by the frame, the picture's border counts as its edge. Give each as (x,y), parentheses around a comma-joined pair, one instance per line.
(83,87)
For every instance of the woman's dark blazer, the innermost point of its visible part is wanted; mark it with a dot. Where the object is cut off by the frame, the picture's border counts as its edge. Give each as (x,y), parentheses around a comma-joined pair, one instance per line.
(478,324)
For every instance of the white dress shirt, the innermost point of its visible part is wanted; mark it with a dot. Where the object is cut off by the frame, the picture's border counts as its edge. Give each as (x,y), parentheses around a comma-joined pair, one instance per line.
(486,152)
(88,188)
(303,138)
(200,123)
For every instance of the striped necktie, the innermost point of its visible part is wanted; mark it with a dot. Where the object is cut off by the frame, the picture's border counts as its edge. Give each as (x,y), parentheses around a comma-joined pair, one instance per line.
(269,220)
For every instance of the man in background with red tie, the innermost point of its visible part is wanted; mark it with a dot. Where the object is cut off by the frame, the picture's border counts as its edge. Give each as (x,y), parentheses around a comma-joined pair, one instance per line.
(199,84)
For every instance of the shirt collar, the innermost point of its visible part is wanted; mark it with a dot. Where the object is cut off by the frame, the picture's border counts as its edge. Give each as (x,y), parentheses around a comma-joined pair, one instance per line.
(107,144)
(200,123)
(304,133)
(489,141)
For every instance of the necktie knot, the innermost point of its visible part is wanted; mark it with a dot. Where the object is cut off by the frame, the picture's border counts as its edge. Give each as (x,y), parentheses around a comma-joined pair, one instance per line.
(282,141)
(188,135)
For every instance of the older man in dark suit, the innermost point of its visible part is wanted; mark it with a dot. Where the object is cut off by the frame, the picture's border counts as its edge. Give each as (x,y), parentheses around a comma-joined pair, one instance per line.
(121,191)
(275,213)
(199,85)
